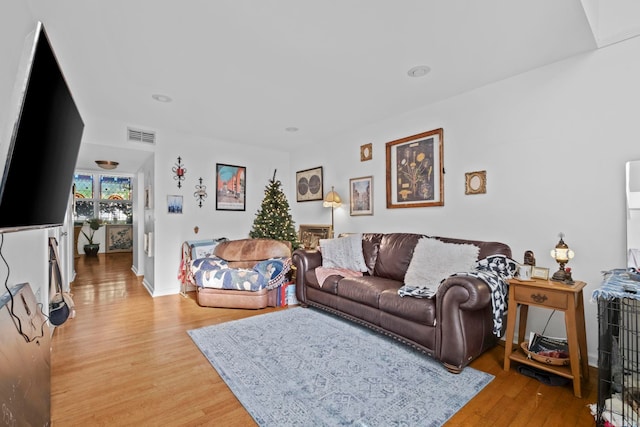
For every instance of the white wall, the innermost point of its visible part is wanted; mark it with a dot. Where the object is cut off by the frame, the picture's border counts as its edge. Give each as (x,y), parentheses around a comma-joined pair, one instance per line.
(145,210)
(554,143)
(200,156)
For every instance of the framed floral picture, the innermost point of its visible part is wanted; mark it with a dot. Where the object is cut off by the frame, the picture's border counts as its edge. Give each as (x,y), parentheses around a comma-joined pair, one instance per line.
(231,187)
(415,171)
(361,196)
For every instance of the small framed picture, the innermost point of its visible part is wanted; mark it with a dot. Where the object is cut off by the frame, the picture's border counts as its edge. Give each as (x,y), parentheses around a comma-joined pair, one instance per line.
(366,152)
(148,203)
(539,273)
(361,196)
(475,182)
(174,204)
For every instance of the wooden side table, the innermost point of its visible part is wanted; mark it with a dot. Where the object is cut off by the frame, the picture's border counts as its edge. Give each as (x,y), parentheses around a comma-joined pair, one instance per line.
(555,296)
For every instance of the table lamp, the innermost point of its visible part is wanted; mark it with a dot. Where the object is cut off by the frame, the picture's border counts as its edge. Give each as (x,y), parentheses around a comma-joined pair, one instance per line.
(562,254)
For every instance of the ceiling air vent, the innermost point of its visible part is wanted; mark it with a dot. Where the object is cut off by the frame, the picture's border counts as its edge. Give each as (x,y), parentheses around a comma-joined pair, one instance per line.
(138,135)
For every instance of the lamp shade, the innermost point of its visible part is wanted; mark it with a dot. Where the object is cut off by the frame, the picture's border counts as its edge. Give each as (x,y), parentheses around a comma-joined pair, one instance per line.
(332,200)
(561,253)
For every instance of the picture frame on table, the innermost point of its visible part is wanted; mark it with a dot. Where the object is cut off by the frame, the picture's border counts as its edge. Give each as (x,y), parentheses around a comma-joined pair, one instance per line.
(309,185)
(231,187)
(539,273)
(309,235)
(415,170)
(361,196)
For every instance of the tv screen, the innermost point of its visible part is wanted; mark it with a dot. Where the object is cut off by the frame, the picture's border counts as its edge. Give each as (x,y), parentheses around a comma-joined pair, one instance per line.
(43,150)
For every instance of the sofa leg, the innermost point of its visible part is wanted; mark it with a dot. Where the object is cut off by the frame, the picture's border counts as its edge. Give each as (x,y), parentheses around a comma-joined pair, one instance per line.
(303,305)
(452,369)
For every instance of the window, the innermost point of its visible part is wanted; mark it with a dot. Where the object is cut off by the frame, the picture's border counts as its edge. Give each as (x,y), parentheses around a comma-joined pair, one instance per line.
(111,202)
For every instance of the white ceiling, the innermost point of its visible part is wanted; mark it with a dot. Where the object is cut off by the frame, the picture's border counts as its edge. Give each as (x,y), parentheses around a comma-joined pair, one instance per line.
(244,70)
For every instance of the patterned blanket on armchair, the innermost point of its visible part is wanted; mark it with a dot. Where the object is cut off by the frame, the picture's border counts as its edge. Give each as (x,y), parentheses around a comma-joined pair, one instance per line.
(214,272)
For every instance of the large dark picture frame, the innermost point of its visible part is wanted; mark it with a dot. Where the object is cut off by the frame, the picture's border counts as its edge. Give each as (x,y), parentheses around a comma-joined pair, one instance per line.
(415,171)
(309,185)
(231,187)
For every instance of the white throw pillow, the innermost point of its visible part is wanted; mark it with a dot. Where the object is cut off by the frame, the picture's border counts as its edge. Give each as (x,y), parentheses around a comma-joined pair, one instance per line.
(343,252)
(434,261)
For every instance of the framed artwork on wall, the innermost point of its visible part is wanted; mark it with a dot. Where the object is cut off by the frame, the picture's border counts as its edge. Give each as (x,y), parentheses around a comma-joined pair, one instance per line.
(361,196)
(475,182)
(415,171)
(309,185)
(231,187)
(174,204)
(119,238)
(310,234)
(366,152)
(148,202)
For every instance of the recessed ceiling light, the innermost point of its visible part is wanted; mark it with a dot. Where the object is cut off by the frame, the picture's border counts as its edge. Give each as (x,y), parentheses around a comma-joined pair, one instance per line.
(292,129)
(419,71)
(161,98)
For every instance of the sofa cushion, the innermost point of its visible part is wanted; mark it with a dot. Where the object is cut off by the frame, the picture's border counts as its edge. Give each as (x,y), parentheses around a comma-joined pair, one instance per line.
(418,310)
(343,252)
(394,255)
(366,289)
(370,249)
(433,261)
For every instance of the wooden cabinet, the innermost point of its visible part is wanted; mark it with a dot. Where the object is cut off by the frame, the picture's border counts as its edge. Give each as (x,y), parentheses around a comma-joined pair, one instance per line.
(555,296)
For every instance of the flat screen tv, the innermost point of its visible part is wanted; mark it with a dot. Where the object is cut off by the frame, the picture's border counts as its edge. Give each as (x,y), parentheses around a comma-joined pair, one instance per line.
(43,147)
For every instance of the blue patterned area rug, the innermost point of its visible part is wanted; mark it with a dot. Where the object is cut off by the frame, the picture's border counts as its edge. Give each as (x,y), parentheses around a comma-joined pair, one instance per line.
(302,367)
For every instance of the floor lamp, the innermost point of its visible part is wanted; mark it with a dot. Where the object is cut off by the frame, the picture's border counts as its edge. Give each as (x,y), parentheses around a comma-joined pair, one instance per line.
(332,200)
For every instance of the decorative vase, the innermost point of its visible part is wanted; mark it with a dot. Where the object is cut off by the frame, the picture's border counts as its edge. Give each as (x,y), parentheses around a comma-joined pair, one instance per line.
(92,249)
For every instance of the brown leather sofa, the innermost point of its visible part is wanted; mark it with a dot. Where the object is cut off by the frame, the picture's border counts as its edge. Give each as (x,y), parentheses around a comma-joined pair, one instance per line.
(454,327)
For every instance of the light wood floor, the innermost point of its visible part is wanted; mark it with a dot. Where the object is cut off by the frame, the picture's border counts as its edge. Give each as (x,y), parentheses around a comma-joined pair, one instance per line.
(126,360)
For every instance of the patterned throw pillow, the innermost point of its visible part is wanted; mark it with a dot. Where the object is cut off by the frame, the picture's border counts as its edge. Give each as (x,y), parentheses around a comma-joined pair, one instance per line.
(501,264)
(343,252)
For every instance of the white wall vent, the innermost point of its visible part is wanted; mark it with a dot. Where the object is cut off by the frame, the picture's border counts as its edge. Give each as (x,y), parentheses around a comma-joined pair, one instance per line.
(138,135)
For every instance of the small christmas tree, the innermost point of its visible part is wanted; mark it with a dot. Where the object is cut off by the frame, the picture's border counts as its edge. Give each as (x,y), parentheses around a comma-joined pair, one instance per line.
(273,220)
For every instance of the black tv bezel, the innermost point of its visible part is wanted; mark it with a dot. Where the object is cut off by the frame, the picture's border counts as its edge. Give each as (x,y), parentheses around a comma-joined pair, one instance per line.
(21,93)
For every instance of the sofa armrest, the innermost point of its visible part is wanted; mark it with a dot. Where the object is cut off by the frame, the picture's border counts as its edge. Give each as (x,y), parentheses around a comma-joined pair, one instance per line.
(304,260)
(463,320)
(465,292)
